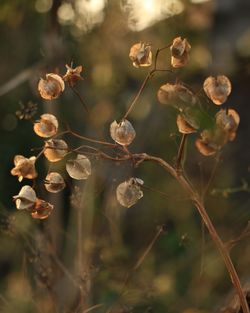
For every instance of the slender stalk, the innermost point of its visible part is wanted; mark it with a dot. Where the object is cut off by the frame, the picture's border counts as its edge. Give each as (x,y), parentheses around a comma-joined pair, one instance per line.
(180,152)
(80,98)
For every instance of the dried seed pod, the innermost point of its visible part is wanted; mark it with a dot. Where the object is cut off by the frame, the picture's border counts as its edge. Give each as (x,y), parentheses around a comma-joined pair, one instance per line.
(55,149)
(141,55)
(129,192)
(54,182)
(80,168)
(26,198)
(180,52)
(122,133)
(51,87)
(42,209)
(205,148)
(217,88)
(73,75)
(47,126)
(184,126)
(228,121)
(24,167)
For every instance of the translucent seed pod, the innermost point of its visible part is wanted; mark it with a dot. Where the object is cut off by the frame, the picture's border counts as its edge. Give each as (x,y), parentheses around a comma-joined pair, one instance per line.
(122,133)
(55,149)
(54,182)
(217,88)
(47,126)
(184,126)
(129,192)
(24,167)
(179,52)
(141,54)
(80,168)
(42,209)
(228,121)
(51,87)
(26,198)
(205,148)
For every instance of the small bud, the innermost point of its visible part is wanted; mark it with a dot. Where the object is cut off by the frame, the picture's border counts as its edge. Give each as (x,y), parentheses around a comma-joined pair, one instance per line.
(73,75)
(217,88)
(141,55)
(55,149)
(228,121)
(24,167)
(42,209)
(129,192)
(26,198)
(80,168)
(180,52)
(123,132)
(47,126)
(51,87)
(54,182)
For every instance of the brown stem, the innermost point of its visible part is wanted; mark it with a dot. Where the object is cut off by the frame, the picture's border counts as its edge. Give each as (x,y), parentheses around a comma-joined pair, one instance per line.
(180,152)
(79,97)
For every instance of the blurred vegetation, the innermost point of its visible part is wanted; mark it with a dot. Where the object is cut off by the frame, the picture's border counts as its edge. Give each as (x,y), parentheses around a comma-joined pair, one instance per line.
(41,267)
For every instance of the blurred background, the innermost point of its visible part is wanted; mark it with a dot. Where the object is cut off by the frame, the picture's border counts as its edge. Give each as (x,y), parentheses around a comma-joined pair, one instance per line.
(78,259)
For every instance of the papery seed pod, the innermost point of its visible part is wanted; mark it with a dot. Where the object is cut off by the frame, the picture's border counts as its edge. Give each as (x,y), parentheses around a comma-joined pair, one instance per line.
(184,126)
(51,87)
(129,192)
(47,126)
(205,148)
(228,121)
(26,198)
(217,88)
(54,182)
(73,75)
(122,133)
(55,149)
(24,167)
(141,55)
(179,52)
(80,168)
(42,209)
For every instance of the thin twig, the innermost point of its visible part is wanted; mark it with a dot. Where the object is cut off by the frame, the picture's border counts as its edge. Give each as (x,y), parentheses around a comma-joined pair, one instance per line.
(180,152)
(80,98)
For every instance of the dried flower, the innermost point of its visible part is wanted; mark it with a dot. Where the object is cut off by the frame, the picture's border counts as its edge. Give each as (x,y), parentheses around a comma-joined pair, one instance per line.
(80,168)
(47,126)
(27,111)
(228,121)
(123,132)
(24,167)
(217,88)
(141,54)
(54,182)
(42,209)
(180,52)
(55,149)
(51,87)
(73,75)
(26,198)
(129,192)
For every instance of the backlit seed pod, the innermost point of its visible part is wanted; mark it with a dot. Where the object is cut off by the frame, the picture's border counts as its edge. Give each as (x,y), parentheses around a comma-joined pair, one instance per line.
(26,198)
(141,55)
(229,121)
(42,209)
(47,126)
(51,87)
(184,126)
(80,168)
(24,167)
(54,182)
(180,52)
(73,75)
(55,149)
(217,88)
(123,132)
(129,192)
(205,148)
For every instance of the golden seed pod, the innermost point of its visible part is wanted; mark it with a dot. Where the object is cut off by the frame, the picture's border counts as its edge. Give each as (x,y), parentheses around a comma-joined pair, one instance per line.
(141,54)
(55,149)
(73,75)
(80,168)
(129,192)
(184,126)
(217,88)
(24,167)
(54,182)
(122,133)
(42,209)
(51,87)
(205,148)
(228,121)
(26,198)
(47,126)
(179,52)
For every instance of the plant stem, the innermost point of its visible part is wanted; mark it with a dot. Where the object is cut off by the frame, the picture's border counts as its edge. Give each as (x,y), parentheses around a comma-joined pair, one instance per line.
(180,152)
